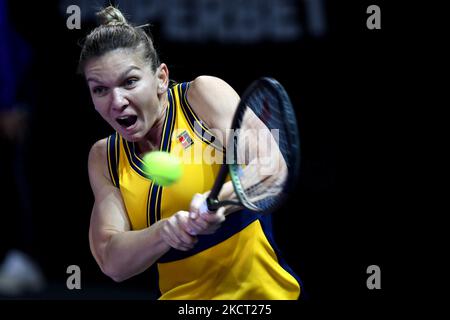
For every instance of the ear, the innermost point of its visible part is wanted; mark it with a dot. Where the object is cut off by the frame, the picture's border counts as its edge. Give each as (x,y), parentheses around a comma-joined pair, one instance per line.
(163,78)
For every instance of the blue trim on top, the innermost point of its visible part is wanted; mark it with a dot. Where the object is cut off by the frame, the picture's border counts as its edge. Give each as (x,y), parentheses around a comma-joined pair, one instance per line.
(155,192)
(266,223)
(150,221)
(169,125)
(233,224)
(154,204)
(136,163)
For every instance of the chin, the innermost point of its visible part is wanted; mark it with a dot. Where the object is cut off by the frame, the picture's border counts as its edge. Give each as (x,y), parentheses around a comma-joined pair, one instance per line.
(134,137)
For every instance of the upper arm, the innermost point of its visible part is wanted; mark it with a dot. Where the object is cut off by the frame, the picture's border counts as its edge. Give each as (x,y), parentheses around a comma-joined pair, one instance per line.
(214,101)
(109,213)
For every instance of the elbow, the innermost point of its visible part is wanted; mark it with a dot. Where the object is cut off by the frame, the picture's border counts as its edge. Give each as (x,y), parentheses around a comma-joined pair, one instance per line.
(109,264)
(117,279)
(114,272)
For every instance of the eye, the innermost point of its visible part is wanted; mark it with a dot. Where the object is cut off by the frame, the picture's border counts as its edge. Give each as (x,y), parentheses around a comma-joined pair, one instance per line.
(99,90)
(130,82)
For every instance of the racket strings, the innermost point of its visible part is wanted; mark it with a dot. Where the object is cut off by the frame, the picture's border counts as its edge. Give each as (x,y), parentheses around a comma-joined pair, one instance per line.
(262,149)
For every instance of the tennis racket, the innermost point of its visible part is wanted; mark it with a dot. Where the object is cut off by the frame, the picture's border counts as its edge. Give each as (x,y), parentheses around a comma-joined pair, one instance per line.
(263,150)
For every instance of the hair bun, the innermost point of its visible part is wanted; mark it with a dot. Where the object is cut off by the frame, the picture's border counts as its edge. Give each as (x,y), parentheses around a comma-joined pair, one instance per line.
(111,16)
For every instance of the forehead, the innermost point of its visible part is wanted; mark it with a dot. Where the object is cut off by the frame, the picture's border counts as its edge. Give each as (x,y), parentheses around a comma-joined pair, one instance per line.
(112,64)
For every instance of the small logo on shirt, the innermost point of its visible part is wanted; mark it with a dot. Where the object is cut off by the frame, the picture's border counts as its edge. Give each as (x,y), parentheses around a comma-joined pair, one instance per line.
(185,139)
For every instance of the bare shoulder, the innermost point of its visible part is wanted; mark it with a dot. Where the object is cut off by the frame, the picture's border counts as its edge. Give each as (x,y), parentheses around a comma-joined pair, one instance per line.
(98,152)
(213,100)
(98,166)
(206,82)
(209,89)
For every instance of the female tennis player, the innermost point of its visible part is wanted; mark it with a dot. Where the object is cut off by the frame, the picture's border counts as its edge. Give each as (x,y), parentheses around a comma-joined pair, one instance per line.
(136,223)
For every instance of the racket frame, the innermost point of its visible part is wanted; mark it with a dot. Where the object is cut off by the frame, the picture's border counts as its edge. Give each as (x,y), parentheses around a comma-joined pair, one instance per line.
(212,201)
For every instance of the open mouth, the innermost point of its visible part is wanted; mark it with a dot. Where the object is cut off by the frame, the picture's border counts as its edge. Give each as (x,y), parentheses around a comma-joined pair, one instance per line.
(127,121)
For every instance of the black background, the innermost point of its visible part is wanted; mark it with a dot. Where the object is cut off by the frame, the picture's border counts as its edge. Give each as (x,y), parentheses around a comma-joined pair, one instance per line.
(344,87)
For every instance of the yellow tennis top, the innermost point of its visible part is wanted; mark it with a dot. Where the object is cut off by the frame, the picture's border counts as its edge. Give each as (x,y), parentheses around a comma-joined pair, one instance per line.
(240,260)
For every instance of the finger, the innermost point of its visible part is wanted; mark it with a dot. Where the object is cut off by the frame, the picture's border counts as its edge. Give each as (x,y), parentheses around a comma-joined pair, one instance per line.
(209,222)
(186,238)
(196,204)
(183,246)
(168,238)
(181,232)
(173,241)
(217,217)
(196,226)
(172,234)
(192,229)
(191,226)
(183,229)
(182,237)
(211,230)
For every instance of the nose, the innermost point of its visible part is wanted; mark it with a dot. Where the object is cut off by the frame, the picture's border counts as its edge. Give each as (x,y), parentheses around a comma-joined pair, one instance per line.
(119,100)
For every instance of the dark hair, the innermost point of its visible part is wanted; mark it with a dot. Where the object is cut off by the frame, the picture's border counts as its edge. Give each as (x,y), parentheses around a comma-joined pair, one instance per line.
(114,32)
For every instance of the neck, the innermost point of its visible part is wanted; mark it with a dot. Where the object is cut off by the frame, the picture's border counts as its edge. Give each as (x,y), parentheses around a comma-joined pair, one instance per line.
(152,140)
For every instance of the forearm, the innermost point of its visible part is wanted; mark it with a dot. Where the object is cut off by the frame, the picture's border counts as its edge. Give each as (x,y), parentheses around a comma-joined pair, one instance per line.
(259,175)
(132,252)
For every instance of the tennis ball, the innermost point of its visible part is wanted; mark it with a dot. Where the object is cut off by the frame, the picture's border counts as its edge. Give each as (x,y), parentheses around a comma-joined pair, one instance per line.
(163,168)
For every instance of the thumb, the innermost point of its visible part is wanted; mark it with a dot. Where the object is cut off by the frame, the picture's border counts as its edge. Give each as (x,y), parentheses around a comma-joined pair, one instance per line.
(196,204)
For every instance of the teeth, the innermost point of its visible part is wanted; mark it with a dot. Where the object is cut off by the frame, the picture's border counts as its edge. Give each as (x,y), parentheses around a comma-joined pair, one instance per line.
(123,118)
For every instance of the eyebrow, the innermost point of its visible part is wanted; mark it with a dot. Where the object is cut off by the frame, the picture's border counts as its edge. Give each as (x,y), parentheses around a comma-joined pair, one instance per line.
(122,75)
